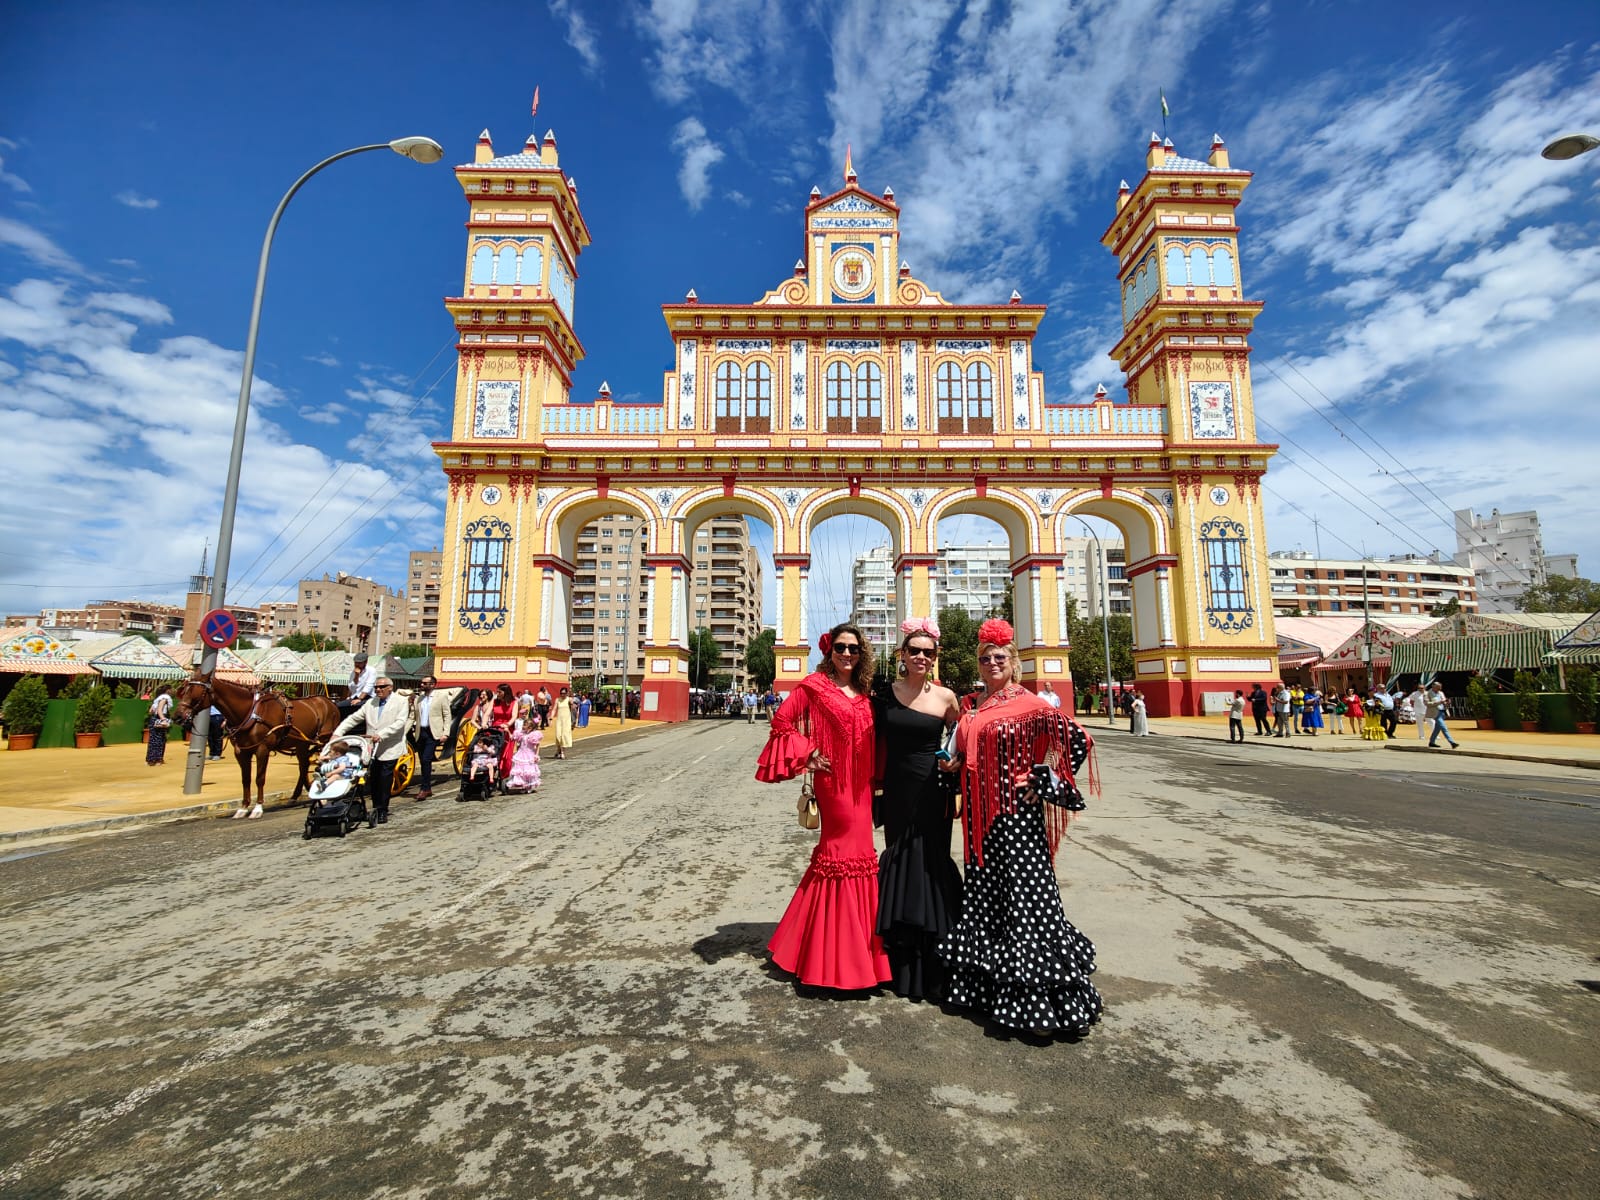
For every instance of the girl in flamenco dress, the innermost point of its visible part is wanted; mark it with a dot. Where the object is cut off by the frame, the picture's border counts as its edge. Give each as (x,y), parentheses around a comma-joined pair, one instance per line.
(828,935)
(919,888)
(1013,955)
(525,773)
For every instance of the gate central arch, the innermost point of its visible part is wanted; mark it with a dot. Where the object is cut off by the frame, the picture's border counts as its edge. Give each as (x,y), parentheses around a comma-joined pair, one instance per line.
(853,386)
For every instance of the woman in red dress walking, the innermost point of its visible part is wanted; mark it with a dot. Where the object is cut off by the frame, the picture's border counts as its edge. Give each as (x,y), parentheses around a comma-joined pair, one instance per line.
(828,935)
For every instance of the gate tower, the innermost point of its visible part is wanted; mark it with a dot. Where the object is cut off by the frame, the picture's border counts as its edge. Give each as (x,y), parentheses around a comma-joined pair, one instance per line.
(854,387)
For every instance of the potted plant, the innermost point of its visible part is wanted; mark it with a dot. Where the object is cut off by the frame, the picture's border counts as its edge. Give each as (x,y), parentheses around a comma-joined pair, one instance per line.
(1584,689)
(24,711)
(94,710)
(1480,702)
(1527,690)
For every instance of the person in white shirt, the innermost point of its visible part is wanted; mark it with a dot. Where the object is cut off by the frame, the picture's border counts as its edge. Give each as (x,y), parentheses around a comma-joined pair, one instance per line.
(385,717)
(362,678)
(431,723)
(1388,715)
(1048,695)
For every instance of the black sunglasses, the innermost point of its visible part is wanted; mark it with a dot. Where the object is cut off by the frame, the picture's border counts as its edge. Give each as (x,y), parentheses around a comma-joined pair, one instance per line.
(920,652)
(848,648)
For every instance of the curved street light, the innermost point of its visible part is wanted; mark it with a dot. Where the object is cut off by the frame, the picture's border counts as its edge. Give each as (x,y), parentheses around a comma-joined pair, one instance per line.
(1105,607)
(1570,146)
(418,149)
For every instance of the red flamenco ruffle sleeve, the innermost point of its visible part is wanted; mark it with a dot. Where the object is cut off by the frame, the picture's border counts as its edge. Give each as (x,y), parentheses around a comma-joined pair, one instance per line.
(789,742)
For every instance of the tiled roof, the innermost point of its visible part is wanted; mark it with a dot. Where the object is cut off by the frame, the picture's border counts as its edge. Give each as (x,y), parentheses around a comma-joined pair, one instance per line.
(1176,162)
(520,161)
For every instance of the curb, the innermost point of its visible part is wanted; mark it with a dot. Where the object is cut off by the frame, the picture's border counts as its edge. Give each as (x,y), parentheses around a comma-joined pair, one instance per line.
(272,800)
(1586,764)
(1353,746)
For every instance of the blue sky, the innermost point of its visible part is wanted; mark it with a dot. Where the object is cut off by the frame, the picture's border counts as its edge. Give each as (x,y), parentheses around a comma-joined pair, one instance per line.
(1430,282)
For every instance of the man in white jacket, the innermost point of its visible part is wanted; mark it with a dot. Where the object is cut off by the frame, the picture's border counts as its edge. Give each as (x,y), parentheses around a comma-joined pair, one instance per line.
(385,717)
(430,726)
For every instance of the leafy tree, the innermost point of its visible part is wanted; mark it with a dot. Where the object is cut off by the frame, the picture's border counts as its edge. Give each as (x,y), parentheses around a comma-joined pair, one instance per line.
(760,661)
(958,649)
(302,643)
(1448,609)
(705,653)
(80,686)
(243,643)
(723,682)
(1006,609)
(1558,594)
(1087,655)
(142,633)
(411,650)
(26,704)
(94,710)
(584,683)
(126,691)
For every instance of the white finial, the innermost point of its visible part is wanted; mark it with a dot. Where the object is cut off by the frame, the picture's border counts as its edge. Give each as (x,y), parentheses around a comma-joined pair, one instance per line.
(1123,186)
(1100,392)
(816,192)
(484,136)
(605,388)
(1016,296)
(1166,143)
(888,193)
(1216,139)
(549,135)
(693,297)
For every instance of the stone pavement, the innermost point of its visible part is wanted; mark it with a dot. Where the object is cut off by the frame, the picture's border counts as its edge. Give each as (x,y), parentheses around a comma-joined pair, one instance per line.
(53,793)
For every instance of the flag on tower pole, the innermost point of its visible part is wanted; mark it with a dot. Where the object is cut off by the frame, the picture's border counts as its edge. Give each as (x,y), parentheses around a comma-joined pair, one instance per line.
(535,111)
(1165,112)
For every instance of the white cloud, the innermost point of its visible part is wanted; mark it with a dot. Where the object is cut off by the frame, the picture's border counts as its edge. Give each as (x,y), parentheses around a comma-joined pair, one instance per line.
(13,181)
(323,358)
(700,154)
(579,34)
(134,200)
(36,246)
(118,427)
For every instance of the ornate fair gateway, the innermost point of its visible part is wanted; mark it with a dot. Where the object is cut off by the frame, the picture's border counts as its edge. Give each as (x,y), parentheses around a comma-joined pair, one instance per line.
(852,387)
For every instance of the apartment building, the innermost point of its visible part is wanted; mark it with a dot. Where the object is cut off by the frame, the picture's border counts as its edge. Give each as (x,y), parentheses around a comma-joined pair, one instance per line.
(423,571)
(609,596)
(1305,585)
(1505,553)
(359,612)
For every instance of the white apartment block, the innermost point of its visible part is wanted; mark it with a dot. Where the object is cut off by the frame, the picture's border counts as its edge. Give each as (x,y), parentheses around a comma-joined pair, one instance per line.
(1305,585)
(1505,551)
(609,596)
(423,585)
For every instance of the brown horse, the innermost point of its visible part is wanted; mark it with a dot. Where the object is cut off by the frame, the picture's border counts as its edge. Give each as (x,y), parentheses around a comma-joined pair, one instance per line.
(260,724)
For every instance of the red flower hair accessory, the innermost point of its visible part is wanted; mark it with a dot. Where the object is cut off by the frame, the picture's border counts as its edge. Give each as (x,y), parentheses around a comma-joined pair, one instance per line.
(825,644)
(995,632)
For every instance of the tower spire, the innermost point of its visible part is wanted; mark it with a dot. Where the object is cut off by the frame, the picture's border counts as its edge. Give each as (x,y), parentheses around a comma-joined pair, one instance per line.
(849,171)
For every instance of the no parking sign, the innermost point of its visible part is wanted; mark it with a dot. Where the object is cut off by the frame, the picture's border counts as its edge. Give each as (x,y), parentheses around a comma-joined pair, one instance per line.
(218,628)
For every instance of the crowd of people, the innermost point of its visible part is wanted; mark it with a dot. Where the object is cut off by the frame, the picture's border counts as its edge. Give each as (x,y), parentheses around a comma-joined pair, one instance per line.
(1288,709)
(908,755)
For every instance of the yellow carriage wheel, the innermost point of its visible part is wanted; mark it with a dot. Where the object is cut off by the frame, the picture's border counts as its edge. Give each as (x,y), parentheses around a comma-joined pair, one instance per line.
(463,740)
(405,770)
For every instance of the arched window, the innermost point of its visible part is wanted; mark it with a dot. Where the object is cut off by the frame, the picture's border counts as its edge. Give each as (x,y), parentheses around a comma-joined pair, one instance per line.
(1222,268)
(758,396)
(532,265)
(838,405)
(729,399)
(947,397)
(869,393)
(1128,306)
(505,267)
(483,264)
(980,396)
(1199,268)
(1177,267)
(1144,284)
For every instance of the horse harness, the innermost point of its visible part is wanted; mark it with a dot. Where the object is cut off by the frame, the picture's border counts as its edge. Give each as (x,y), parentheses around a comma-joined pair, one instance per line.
(255,717)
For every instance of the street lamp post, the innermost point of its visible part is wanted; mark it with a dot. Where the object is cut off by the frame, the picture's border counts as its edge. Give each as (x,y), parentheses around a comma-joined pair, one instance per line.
(627,630)
(700,646)
(1105,606)
(419,149)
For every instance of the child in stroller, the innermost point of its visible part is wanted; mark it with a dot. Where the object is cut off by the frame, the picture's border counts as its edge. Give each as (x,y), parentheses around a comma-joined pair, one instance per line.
(484,753)
(337,800)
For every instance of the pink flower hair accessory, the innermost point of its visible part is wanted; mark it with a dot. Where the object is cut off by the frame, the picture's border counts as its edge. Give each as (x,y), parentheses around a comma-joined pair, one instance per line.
(923,625)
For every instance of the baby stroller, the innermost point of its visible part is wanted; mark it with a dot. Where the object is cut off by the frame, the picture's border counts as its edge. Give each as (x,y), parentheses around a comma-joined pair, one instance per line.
(486,753)
(339,802)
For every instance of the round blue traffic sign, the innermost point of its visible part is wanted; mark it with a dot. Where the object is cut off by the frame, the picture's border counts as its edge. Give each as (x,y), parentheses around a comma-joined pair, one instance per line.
(218,628)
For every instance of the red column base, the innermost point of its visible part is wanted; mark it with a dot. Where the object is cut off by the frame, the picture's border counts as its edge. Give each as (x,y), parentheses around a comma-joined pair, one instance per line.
(665,700)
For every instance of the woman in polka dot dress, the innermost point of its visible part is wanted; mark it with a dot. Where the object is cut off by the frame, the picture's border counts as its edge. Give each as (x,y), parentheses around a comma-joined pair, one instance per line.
(1013,954)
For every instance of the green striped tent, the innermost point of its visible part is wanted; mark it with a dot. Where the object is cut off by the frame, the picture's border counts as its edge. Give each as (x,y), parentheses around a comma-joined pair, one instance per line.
(1581,645)
(1485,642)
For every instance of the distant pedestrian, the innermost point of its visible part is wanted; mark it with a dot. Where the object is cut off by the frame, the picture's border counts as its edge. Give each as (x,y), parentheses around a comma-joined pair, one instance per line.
(1387,715)
(1258,709)
(1418,700)
(1311,721)
(1353,712)
(561,723)
(1048,695)
(159,721)
(1297,706)
(1280,711)
(1436,713)
(1139,722)
(1236,717)
(214,734)
(749,708)
(541,702)
(584,706)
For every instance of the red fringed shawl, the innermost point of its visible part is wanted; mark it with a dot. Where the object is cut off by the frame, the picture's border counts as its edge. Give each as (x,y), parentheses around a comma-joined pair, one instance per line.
(1001,738)
(818,716)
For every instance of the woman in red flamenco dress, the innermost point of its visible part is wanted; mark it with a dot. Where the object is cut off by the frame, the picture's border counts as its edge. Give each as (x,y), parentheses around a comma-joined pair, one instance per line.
(828,935)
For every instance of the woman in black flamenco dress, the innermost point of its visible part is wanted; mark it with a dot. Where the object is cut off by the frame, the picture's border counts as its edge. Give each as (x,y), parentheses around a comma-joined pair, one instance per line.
(919,888)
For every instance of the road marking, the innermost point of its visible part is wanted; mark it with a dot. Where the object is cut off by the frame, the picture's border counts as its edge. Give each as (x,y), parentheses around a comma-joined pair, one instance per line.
(133,1100)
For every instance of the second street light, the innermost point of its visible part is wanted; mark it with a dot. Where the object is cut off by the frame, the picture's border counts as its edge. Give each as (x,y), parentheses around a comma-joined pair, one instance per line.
(1105,607)
(418,149)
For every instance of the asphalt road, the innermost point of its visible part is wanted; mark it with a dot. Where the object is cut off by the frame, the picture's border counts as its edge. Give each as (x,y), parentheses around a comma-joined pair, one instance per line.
(1326,976)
